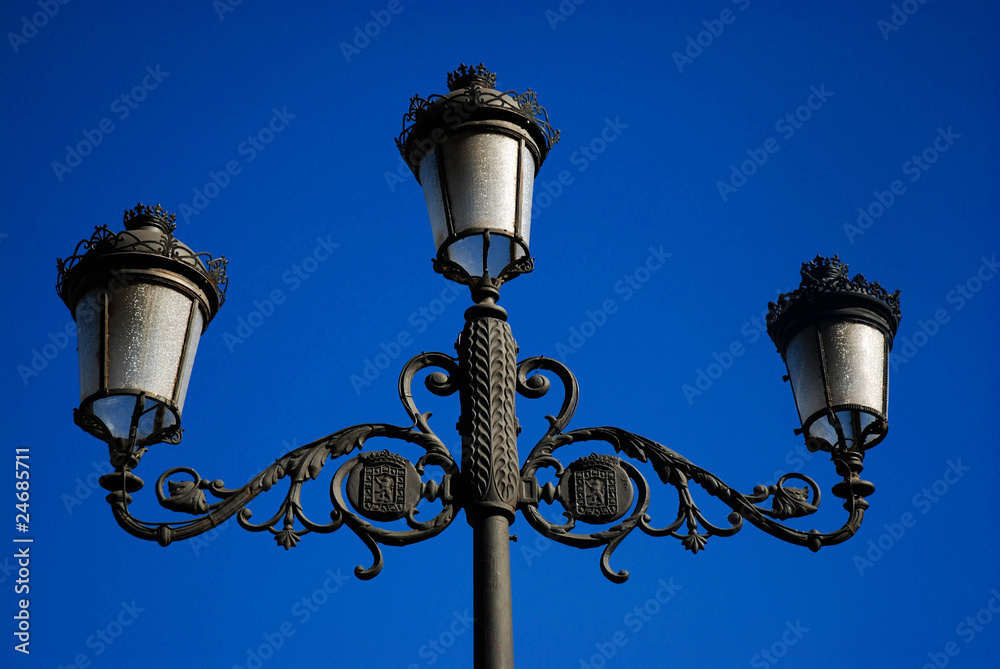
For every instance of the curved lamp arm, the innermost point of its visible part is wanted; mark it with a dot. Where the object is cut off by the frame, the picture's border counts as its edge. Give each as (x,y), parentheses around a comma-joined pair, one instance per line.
(381,485)
(600,489)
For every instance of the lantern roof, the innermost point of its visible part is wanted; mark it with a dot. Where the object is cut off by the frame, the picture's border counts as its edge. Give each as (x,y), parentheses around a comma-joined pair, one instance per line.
(148,241)
(472,97)
(825,286)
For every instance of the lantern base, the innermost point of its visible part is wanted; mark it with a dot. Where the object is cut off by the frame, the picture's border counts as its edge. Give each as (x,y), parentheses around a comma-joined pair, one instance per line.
(128,422)
(459,259)
(846,427)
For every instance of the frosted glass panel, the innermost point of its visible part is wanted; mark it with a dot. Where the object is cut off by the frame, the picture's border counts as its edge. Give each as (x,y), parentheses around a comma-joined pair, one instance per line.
(88,333)
(855,360)
(527,188)
(147,324)
(194,336)
(805,373)
(432,195)
(481,173)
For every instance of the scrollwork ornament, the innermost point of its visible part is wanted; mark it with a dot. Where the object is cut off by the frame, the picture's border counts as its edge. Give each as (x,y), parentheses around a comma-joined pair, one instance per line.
(595,489)
(185,496)
(523,265)
(672,469)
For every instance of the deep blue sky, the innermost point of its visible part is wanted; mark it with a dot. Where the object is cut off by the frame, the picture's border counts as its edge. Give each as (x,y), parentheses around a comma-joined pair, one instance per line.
(882,98)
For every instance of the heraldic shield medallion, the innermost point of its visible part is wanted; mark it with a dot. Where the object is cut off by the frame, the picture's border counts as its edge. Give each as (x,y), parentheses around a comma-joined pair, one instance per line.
(383,486)
(595,489)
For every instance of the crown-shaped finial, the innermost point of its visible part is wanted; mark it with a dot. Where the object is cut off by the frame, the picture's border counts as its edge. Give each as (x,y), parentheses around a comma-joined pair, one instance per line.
(142,215)
(465,76)
(821,267)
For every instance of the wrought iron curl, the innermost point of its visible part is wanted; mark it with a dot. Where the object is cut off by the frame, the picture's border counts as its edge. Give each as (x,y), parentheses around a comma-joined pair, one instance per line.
(187,494)
(610,538)
(441,383)
(532,384)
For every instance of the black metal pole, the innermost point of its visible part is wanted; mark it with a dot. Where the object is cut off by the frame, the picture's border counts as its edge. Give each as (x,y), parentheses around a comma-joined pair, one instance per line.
(494,625)
(487,365)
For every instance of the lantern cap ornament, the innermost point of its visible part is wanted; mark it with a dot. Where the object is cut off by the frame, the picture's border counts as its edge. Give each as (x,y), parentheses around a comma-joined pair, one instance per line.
(473,98)
(465,76)
(148,241)
(825,285)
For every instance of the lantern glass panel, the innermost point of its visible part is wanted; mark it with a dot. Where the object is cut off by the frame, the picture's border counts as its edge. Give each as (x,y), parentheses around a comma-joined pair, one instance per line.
(195,328)
(431,183)
(468,252)
(501,253)
(147,325)
(116,413)
(805,372)
(89,314)
(823,430)
(152,336)
(855,362)
(527,189)
(481,171)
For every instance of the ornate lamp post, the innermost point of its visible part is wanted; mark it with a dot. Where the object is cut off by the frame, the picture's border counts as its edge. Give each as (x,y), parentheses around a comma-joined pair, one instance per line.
(142,299)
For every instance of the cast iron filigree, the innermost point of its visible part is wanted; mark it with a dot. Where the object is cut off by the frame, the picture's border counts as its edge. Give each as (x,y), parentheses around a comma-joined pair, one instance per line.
(290,523)
(594,489)
(452,271)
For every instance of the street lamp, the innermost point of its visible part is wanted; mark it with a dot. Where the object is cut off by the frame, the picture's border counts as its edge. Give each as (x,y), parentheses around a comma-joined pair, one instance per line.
(142,299)
(476,152)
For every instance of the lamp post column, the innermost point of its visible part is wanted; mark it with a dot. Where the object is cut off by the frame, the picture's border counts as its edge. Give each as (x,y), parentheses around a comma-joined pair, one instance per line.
(490,471)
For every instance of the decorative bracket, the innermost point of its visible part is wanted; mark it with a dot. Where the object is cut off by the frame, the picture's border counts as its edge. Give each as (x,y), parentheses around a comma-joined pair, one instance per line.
(381,486)
(594,489)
